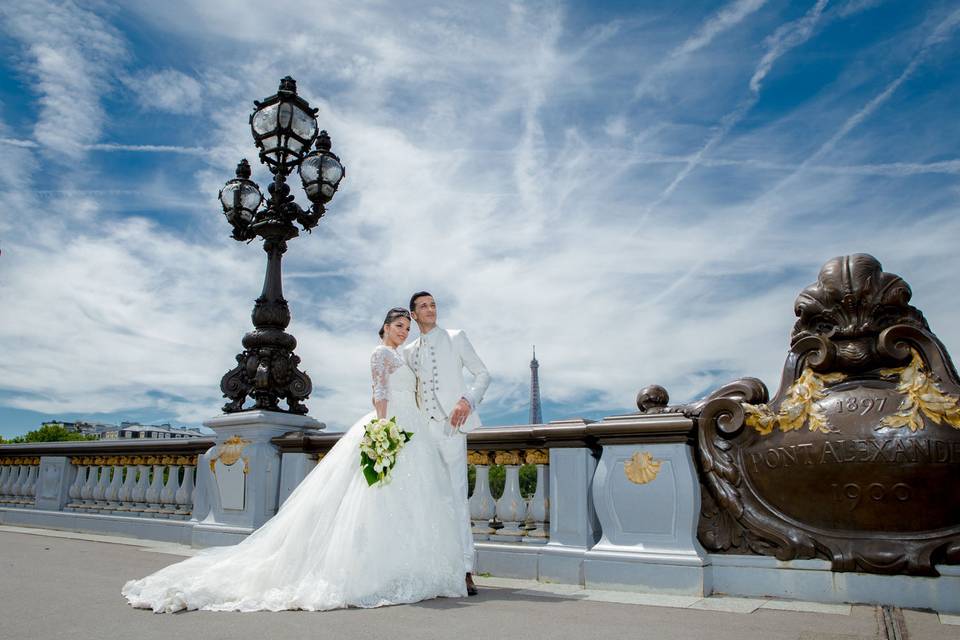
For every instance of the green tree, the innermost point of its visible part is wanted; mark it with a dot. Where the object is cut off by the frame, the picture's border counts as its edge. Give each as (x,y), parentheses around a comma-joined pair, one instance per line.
(51,432)
(498,475)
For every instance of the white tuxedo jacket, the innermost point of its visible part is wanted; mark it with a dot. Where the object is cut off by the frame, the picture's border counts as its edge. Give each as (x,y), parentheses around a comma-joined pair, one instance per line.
(451,352)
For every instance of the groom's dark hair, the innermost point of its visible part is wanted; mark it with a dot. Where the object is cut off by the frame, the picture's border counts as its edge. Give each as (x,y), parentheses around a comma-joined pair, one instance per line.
(418,294)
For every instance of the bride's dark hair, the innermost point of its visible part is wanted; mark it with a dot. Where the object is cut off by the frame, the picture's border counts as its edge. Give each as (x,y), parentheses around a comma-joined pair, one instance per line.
(393,314)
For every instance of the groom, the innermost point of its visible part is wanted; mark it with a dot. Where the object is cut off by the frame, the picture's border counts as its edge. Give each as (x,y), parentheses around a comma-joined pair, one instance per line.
(448,403)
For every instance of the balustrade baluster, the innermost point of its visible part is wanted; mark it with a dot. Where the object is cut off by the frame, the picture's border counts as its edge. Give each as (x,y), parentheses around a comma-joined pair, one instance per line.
(17,488)
(185,492)
(539,509)
(139,497)
(30,487)
(103,483)
(78,481)
(5,473)
(156,486)
(511,508)
(129,482)
(482,504)
(112,494)
(93,476)
(168,495)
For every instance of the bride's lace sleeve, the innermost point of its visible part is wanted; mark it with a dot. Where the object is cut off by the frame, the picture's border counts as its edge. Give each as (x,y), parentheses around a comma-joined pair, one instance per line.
(383,362)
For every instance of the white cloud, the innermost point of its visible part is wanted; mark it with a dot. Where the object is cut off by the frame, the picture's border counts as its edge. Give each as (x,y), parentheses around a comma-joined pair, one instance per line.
(478,167)
(728,17)
(940,34)
(69,53)
(168,90)
(785,38)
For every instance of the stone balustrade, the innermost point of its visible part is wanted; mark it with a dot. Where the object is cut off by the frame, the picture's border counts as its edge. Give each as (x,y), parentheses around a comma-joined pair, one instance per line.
(139,488)
(512,517)
(152,486)
(611,504)
(18,480)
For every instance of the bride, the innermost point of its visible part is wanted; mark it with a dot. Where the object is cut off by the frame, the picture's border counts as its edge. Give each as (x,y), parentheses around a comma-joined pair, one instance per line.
(337,542)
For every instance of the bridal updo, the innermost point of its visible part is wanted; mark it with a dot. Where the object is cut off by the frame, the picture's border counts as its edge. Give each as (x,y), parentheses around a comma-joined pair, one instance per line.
(393,314)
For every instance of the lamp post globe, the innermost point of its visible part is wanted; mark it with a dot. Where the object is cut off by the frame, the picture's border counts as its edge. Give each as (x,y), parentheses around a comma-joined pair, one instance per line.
(241,197)
(284,127)
(321,171)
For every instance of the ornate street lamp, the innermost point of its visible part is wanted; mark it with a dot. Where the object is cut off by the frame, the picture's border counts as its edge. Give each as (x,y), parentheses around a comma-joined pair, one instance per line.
(284,127)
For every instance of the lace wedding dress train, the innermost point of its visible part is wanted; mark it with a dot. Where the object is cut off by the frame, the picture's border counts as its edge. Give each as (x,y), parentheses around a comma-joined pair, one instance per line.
(336,542)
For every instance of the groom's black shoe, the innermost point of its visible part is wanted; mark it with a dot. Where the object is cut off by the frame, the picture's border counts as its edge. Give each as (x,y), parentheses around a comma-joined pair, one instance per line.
(471,588)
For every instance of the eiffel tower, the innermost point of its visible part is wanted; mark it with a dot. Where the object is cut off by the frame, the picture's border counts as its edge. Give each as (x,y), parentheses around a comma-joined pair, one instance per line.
(535,416)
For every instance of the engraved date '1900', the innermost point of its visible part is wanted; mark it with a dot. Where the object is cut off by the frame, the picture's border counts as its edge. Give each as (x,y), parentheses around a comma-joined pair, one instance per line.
(855,495)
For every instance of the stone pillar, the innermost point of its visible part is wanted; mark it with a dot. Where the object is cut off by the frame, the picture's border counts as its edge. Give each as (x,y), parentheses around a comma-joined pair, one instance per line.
(238,480)
(53,486)
(573,523)
(294,468)
(647,499)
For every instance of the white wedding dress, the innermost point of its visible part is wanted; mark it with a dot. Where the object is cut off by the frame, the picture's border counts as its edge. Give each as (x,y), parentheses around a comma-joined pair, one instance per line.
(336,542)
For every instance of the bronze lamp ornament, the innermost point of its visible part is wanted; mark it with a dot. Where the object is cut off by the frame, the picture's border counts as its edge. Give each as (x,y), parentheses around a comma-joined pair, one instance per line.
(284,127)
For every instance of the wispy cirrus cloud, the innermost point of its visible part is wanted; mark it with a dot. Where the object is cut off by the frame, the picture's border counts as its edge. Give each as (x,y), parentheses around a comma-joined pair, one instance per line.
(167,90)
(498,157)
(939,35)
(111,146)
(762,208)
(728,17)
(785,38)
(69,54)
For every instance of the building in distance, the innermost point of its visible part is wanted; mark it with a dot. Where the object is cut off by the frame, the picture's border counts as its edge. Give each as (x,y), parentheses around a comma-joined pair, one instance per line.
(127,430)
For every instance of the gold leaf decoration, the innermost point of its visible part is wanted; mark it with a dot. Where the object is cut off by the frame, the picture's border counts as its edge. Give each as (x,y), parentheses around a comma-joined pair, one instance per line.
(536,456)
(229,452)
(481,458)
(922,397)
(507,457)
(641,468)
(799,408)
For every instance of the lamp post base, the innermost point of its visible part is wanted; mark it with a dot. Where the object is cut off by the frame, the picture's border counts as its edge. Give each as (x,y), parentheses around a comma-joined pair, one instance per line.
(267,374)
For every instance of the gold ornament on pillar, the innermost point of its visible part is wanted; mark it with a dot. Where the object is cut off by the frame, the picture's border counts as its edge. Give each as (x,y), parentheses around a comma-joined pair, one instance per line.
(642,468)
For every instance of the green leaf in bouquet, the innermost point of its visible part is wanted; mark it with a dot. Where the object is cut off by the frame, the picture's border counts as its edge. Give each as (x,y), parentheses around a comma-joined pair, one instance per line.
(371,476)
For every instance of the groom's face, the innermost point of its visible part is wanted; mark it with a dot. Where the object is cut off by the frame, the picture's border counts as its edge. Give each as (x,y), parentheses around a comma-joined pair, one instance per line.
(425,310)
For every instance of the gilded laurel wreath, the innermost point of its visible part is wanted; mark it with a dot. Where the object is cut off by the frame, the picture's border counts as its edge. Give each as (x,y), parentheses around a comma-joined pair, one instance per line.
(922,396)
(381,443)
(798,408)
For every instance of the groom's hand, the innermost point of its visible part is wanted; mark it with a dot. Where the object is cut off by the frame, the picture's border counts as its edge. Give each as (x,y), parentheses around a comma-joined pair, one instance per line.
(460,412)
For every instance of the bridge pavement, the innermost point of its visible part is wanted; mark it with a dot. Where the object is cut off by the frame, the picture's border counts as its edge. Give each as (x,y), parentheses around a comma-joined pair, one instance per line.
(57,585)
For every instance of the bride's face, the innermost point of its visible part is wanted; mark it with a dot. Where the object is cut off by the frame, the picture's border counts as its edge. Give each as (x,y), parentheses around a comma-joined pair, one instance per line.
(396,332)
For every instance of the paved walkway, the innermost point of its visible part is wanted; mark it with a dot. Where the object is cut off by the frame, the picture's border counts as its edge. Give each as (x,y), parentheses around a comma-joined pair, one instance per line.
(65,585)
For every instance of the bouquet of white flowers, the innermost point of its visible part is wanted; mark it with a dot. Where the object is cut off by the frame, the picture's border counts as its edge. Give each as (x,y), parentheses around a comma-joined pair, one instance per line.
(381,443)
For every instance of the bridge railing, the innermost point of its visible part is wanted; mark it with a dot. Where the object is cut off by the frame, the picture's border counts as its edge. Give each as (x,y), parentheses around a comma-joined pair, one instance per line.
(553,501)
(52,484)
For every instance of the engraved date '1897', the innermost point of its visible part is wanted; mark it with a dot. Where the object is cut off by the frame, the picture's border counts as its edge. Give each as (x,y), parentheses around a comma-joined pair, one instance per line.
(861,406)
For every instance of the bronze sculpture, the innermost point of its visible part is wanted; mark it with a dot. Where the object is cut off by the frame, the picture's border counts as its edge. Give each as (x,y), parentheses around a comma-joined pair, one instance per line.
(856,459)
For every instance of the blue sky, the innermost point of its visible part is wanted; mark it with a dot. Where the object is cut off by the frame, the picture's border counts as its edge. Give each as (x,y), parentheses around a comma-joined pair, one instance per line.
(639,189)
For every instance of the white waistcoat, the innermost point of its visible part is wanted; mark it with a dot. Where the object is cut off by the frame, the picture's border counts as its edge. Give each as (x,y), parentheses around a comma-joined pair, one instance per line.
(439,363)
